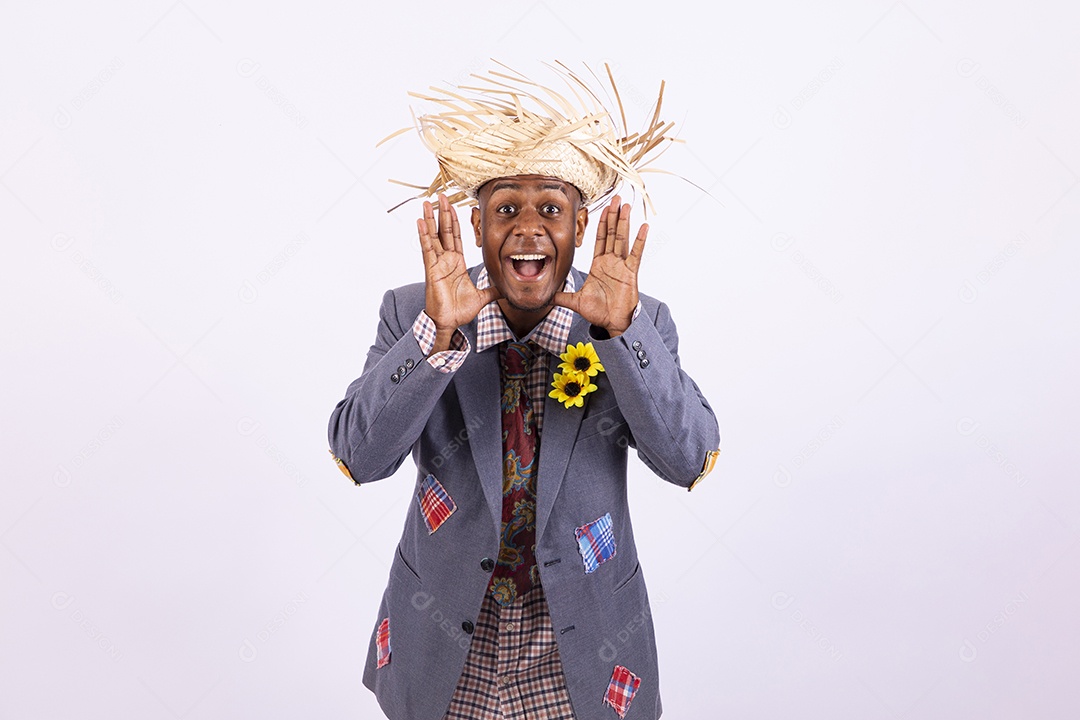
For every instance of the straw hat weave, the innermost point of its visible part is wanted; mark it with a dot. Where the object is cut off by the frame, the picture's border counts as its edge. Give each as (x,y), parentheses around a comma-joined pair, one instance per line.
(508,125)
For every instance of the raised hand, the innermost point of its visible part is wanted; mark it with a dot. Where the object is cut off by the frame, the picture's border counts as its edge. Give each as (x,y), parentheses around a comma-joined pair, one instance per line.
(610,293)
(450,296)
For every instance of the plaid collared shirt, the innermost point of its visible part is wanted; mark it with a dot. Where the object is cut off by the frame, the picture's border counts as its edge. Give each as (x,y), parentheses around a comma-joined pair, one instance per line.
(513,670)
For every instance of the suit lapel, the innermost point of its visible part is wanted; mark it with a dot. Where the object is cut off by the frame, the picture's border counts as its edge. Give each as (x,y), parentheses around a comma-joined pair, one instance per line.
(475,381)
(560,430)
(479,389)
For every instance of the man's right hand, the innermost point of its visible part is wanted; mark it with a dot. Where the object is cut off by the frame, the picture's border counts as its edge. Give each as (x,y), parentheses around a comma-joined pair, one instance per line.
(450,296)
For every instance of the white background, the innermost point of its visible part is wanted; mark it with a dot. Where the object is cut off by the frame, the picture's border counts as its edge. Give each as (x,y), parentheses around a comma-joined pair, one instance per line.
(879,301)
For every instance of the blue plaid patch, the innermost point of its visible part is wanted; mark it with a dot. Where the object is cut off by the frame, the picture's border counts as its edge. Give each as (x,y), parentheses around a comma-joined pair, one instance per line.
(596,542)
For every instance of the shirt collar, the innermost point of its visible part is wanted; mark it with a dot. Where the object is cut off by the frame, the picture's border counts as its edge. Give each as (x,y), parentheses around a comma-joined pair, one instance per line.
(551,333)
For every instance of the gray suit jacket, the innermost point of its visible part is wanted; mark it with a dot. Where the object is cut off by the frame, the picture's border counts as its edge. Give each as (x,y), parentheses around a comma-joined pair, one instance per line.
(450,423)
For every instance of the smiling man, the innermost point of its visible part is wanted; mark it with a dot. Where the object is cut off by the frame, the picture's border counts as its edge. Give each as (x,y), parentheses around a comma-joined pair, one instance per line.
(518,386)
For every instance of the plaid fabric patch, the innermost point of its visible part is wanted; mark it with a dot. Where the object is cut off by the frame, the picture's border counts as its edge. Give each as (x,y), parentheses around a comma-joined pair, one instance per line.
(435,503)
(382,643)
(621,689)
(596,542)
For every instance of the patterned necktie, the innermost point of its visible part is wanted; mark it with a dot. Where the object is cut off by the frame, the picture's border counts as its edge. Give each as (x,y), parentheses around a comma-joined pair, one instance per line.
(513,576)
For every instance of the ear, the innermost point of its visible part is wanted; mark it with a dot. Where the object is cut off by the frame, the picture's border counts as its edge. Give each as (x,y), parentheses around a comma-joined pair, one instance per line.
(475,219)
(581,222)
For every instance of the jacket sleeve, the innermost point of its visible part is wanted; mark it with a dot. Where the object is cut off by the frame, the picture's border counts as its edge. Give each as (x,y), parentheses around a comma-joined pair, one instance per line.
(672,425)
(374,427)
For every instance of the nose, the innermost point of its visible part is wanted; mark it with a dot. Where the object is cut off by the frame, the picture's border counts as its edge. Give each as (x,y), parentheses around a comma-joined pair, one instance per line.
(528,223)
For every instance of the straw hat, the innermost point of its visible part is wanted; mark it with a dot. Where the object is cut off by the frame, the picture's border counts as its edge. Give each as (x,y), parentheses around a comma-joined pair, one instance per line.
(508,125)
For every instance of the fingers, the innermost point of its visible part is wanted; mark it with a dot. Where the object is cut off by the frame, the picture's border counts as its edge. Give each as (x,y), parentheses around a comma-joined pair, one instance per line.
(444,235)
(456,228)
(431,229)
(613,230)
(446,223)
(622,232)
(634,261)
(426,243)
(612,224)
(601,234)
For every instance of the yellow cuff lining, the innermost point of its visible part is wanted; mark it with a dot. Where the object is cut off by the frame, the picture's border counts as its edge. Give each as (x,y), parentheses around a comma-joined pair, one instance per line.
(706,468)
(341,465)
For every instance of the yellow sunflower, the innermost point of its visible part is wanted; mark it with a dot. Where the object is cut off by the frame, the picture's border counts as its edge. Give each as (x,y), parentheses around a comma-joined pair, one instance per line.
(581,358)
(571,388)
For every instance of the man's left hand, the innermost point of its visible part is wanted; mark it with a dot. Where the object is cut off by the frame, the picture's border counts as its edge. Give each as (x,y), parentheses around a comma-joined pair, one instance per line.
(610,294)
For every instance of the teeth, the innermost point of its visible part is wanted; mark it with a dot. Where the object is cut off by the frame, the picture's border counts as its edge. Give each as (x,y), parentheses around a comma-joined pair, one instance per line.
(533,256)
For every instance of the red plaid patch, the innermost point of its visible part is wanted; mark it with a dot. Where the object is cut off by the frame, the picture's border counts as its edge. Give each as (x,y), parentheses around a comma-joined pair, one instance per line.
(621,689)
(382,642)
(436,505)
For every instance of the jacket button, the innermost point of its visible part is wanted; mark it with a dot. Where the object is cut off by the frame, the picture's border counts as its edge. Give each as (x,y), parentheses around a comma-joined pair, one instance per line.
(394,378)
(467,627)
(640,354)
(487,564)
(636,345)
(644,362)
(409,363)
(402,370)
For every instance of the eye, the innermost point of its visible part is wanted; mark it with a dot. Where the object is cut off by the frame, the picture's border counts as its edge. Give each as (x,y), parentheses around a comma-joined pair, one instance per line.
(551,208)
(505,209)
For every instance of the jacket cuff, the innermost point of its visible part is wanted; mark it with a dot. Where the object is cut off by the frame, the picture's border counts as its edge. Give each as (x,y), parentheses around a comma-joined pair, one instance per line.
(599,333)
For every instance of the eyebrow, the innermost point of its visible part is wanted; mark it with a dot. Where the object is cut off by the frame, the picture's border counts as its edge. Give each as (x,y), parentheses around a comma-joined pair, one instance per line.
(508,185)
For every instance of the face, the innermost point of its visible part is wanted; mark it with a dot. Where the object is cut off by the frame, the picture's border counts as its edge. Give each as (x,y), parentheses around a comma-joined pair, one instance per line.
(528,227)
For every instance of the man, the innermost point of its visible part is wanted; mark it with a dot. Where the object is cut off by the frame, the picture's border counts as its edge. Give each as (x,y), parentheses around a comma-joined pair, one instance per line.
(515,591)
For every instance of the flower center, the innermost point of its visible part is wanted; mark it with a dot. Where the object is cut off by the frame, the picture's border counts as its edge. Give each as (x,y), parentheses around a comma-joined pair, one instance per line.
(572,389)
(582,363)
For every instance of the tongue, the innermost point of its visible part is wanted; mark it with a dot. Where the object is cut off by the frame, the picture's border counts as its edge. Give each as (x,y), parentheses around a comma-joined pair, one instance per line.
(529,268)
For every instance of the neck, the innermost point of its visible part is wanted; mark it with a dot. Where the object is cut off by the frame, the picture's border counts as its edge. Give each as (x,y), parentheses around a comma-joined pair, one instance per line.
(521,321)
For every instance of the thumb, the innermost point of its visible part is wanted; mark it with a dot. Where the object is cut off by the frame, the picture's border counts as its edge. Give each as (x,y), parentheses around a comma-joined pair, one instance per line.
(566,300)
(489,294)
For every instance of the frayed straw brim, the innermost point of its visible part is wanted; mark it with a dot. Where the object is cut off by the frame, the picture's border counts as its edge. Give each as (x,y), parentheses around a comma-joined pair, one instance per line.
(513,126)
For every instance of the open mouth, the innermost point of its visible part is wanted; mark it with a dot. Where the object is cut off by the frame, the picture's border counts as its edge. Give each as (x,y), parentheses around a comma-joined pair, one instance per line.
(529,267)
